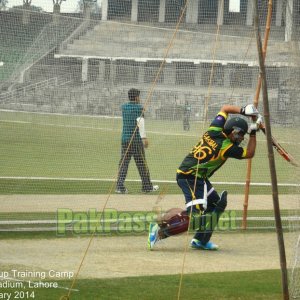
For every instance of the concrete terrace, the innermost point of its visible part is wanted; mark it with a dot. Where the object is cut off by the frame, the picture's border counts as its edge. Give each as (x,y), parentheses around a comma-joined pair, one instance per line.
(117,40)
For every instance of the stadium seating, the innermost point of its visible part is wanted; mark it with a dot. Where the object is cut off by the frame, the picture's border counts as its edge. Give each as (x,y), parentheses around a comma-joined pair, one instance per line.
(113,39)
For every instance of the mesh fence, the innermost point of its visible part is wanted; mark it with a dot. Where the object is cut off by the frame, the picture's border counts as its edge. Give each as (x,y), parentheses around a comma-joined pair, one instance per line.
(64,79)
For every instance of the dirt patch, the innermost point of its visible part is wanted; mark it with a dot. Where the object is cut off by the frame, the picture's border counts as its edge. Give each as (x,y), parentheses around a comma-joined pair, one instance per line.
(110,257)
(122,256)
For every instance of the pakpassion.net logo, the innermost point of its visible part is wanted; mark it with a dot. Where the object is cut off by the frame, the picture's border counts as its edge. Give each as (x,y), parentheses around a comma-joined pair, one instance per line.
(111,221)
(101,222)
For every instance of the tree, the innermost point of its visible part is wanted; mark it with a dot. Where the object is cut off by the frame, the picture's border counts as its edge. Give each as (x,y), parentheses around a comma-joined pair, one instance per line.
(88,7)
(31,8)
(27,8)
(56,6)
(26,11)
(26,4)
(56,10)
(3,4)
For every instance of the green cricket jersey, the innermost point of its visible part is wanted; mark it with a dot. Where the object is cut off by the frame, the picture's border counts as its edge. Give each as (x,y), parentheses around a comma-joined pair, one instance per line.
(211,152)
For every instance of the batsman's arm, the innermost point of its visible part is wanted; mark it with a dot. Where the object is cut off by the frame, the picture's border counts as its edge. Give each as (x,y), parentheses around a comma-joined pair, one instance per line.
(247,110)
(256,122)
(231,109)
(251,146)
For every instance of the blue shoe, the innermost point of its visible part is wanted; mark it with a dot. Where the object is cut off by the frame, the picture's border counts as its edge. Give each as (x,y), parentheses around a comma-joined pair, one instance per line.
(195,244)
(153,235)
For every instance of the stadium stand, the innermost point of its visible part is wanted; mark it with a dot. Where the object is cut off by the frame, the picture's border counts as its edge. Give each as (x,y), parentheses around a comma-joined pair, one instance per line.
(105,56)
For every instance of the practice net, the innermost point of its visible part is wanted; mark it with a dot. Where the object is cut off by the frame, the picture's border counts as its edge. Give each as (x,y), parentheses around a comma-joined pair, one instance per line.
(64,78)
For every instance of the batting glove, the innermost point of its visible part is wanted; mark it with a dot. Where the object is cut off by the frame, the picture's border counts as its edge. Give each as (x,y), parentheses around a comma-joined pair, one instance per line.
(249,110)
(255,125)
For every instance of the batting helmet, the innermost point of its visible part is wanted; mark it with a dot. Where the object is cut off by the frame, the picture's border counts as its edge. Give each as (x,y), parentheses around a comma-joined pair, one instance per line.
(236,123)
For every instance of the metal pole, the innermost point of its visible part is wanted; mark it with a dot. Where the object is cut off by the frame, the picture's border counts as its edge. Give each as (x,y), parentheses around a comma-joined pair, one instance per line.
(284,277)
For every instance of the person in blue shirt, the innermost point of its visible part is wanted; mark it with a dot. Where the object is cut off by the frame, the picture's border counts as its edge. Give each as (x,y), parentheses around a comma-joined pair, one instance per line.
(134,141)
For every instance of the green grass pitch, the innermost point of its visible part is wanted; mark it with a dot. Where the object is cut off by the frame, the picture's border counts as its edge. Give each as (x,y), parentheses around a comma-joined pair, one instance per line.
(59,147)
(227,285)
(80,154)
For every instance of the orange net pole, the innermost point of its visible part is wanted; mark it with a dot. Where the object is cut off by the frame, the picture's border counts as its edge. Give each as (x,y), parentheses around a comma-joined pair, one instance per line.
(255,102)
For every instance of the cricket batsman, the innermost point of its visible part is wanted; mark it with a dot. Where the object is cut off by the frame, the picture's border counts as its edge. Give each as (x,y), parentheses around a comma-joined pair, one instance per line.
(204,205)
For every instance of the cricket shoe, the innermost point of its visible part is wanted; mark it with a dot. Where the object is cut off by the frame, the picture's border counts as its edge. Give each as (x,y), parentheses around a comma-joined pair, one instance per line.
(196,244)
(153,236)
(155,188)
(121,191)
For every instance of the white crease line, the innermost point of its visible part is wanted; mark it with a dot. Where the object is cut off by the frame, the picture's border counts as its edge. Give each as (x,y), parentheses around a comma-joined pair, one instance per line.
(136,180)
(119,129)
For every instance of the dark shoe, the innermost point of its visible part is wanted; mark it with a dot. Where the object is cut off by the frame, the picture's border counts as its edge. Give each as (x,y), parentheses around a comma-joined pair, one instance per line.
(155,188)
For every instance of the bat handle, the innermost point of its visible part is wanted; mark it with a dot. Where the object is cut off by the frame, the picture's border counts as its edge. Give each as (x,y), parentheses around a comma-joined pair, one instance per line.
(263,128)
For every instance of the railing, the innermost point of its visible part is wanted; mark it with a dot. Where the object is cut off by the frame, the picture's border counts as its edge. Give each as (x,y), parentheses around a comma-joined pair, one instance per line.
(56,81)
(80,30)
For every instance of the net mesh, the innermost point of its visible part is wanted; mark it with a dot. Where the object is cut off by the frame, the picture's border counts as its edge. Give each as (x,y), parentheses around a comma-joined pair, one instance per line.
(64,78)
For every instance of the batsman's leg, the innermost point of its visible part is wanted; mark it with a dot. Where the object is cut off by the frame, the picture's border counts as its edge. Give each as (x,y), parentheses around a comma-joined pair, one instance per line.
(209,220)
(174,221)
